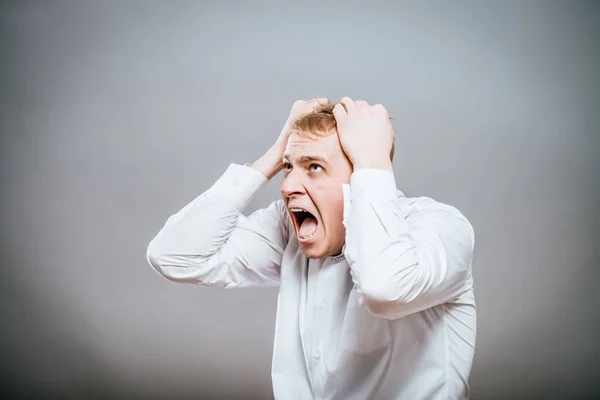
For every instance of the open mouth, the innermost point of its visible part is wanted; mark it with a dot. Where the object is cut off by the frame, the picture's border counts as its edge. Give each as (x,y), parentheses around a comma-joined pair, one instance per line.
(305,222)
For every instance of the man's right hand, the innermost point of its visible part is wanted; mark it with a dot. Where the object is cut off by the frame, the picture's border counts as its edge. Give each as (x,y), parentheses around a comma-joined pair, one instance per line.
(270,163)
(299,108)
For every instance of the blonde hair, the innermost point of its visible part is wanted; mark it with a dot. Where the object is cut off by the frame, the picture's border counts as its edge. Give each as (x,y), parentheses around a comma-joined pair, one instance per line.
(321,122)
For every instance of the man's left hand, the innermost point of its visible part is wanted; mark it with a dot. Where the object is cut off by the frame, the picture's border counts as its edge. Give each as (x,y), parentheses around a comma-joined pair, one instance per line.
(365,133)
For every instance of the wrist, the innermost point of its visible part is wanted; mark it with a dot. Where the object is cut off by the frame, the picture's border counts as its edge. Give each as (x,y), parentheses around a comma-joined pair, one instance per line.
(379,163)
(270,163)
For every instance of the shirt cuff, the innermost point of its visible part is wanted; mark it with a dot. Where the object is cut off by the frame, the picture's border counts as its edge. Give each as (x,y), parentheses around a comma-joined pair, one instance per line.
(373,184)
(239,184)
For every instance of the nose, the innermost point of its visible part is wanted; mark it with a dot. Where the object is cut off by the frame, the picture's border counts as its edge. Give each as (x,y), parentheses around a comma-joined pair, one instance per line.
(292,184)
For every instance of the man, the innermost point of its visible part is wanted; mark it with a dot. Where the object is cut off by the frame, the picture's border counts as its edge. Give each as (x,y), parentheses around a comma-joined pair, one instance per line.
(376,294)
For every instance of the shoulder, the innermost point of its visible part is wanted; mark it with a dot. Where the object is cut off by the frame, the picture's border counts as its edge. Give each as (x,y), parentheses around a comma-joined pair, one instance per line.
(417,206)
(425,214)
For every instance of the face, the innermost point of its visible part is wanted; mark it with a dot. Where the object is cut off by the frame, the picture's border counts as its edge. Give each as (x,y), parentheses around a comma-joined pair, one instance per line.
(314,170)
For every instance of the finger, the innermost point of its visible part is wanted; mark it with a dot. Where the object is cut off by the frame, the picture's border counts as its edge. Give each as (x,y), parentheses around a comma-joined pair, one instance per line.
(361,103)
(381,108)
(323,101)
(348,103)
(339,112)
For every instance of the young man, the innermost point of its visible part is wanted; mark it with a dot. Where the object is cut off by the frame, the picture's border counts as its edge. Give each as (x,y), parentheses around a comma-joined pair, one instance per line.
(376,294)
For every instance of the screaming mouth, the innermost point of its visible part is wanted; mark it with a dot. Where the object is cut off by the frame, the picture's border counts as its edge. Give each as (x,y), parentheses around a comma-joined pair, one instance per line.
(306,223)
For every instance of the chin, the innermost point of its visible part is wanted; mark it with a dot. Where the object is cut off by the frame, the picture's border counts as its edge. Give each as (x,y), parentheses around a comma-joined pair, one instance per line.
(312,252)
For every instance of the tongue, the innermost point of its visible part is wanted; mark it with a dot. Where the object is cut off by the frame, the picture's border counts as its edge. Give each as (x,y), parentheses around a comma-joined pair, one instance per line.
(309,226)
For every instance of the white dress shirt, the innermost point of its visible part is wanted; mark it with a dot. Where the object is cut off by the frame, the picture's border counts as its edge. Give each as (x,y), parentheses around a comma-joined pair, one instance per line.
(391,317)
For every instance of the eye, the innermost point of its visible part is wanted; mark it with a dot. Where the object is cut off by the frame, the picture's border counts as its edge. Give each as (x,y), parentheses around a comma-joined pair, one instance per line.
(315,167)
(287,166)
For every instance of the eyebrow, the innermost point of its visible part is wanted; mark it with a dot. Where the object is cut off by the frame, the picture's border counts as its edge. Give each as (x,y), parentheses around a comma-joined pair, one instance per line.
(306,159)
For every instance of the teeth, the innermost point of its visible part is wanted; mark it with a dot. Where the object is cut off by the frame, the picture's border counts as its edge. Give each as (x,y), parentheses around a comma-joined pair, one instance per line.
(297,210)
(307,236)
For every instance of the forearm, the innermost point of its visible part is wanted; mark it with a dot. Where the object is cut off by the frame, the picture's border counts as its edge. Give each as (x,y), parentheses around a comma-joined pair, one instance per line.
(374,224)
(197,230)
(405,258)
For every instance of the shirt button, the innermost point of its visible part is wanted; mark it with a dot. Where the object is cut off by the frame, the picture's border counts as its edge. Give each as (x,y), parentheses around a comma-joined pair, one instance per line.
(321,305)
(335,259)
(318,355)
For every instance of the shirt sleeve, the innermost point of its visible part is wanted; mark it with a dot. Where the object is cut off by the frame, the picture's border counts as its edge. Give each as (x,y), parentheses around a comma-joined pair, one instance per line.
(211,242)
(405,255)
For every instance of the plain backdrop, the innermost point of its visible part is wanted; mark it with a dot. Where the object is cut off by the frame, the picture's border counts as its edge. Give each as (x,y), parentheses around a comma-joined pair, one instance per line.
(116,114)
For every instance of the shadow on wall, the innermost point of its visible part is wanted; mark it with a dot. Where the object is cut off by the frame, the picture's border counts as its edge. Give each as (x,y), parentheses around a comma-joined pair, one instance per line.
(43,346)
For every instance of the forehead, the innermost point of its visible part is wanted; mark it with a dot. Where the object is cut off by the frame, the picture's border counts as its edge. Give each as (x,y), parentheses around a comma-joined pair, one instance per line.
(327,145)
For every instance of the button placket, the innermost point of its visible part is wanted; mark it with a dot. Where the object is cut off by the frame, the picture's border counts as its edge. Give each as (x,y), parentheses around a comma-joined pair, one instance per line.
(318,321)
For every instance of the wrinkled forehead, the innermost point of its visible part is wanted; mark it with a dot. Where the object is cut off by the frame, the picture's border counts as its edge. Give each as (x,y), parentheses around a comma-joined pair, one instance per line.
(325,144)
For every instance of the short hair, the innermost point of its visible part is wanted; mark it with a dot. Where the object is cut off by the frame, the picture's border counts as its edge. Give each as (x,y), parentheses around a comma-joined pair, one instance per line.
(321,122)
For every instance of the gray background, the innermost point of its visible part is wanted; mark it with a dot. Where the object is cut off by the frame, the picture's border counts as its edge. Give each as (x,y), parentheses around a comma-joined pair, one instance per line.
(114,115)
